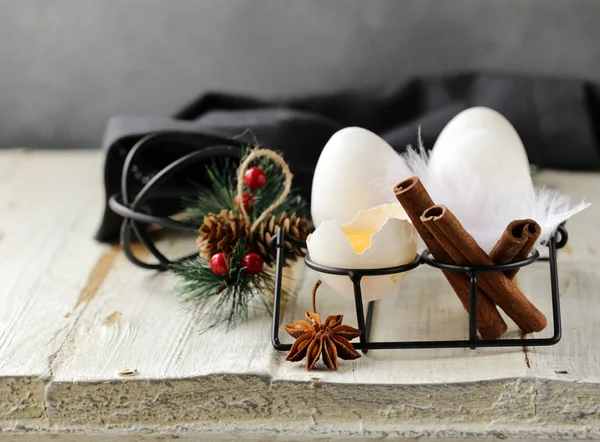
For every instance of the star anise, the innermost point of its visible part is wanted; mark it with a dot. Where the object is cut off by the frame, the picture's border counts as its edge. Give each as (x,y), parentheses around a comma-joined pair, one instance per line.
(313,338)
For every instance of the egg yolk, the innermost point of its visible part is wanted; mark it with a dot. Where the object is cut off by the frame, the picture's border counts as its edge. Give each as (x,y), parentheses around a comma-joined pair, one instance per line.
(359,240)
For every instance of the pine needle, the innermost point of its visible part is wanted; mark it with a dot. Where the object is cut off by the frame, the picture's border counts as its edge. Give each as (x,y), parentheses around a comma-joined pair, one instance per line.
(226,299)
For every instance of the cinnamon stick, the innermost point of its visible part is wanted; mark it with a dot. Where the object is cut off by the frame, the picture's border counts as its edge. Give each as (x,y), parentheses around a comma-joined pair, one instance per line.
(415,199)
(464,250)
(515,244)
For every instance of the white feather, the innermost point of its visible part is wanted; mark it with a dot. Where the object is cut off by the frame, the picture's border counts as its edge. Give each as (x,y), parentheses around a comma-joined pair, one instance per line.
(485,218)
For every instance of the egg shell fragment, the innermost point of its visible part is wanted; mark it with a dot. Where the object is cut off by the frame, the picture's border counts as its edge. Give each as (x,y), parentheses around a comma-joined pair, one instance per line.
(393,243)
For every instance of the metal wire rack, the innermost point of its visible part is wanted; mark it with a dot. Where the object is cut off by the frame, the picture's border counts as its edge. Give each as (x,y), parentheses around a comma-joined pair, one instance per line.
(559,240)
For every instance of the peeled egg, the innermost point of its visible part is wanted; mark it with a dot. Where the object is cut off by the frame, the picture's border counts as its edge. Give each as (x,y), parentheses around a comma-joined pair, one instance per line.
(478,118)
(376,238)
(350,175)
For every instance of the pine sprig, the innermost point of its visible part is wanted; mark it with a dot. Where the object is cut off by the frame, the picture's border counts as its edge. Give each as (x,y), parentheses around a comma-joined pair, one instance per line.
(220,195)
(222,191)
(227,299)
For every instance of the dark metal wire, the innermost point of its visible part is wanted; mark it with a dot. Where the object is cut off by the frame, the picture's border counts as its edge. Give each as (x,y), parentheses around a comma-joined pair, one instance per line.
(558,241)
(130,206)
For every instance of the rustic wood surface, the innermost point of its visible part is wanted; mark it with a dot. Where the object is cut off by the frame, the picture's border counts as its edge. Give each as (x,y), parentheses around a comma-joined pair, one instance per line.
(76,316)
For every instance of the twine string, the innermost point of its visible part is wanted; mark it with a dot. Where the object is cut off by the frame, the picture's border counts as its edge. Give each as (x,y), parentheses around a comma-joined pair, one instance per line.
(276,158)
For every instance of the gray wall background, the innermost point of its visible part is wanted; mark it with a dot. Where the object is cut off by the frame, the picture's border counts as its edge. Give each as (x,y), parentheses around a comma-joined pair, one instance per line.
(66,66)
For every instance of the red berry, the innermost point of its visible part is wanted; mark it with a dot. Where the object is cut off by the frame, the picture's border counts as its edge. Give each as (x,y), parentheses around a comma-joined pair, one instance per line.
(255,178)
(219,264)
(252,263)
(248,201)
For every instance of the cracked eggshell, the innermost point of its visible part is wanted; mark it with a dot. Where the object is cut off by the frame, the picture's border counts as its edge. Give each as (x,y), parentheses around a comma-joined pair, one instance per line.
(393,242)
(350,175)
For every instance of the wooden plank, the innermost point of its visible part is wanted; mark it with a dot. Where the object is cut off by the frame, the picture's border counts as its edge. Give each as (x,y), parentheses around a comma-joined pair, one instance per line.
(181,359)
(75,315)
(577,356)
(49,203)
(571,370)
(164,345)
(155,334)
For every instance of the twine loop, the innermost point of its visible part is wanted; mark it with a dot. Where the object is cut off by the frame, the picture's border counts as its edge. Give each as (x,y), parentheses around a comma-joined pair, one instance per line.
(276,158)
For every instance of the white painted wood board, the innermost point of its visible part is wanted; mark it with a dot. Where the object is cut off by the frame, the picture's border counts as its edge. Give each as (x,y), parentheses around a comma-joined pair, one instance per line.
(49,205)
(75,313)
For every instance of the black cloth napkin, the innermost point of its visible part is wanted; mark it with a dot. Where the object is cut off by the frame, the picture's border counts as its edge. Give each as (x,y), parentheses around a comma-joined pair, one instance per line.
(557,119)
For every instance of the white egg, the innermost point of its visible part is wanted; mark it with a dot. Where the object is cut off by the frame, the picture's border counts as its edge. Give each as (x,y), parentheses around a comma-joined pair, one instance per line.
(484,183)
(479,169)
(376,238)
(478,118)
(350,175)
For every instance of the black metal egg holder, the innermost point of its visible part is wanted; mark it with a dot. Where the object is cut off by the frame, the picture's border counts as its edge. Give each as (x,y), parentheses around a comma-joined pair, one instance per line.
(131,206)
(558,241)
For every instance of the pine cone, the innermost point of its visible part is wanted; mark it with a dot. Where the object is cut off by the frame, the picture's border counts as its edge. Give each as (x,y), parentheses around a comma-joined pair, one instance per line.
(220,233)
(293,226)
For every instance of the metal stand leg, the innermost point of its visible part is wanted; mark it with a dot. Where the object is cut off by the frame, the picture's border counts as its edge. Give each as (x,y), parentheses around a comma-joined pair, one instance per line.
(370,312)
(360,312)
(277,291)
(555,295)
(473,312)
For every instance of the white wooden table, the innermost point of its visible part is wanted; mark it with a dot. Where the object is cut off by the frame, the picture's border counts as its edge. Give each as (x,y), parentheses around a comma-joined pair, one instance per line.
(75,313)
